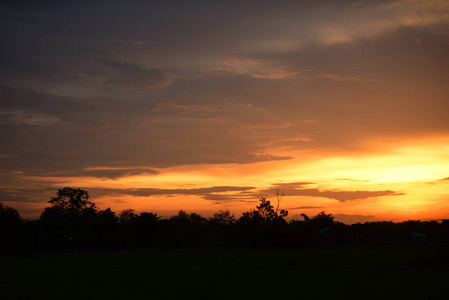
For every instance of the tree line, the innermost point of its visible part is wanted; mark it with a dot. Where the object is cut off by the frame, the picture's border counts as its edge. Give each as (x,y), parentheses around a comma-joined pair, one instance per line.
(72,221)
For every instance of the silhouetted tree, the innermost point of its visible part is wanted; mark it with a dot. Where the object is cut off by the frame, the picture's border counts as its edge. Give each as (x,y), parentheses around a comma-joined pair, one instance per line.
(264,225)
(148,218)
(127,216)
(223,218)
(137,230)
(70,221)
(9,215)
(146,226)
(73,221)
(107,216)
(197,220)
(323,219)
(10,227)
(268,212)
(185,228)
(219,228)
(72,202)
(107,227)
(264,214)
(182,217)
(251,218)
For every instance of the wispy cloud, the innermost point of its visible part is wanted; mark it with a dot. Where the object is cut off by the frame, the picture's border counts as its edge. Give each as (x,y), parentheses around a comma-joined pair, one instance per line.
(343,24)
(146,192)
(303,189)
(354,180)
(336,77)
(262,69)
(117,172)
(26,117)
(130,42)
(85,77)
(219,194)
(305,207)
(270,69)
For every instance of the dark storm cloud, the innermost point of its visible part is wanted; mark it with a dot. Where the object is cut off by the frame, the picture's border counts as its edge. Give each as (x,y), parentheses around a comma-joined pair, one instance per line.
(301,189)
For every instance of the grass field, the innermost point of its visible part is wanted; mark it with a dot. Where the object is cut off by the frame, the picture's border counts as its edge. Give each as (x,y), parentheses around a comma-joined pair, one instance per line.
(362,272)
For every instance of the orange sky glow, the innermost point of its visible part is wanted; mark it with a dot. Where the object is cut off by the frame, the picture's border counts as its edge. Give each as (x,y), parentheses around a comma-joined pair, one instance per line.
(414,169)
(342,106)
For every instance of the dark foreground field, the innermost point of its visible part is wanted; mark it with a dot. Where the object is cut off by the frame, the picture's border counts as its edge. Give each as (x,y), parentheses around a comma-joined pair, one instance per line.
(362,272)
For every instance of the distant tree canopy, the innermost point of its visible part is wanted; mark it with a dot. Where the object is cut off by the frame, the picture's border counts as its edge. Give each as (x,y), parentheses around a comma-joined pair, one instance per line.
(185,219)
(127,216)
(223,218)
(73,221)
(324,219)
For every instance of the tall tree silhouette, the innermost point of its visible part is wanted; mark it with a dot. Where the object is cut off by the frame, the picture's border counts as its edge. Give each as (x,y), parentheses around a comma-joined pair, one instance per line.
(263,225)
(324,219)
(71,219)
(10,227)
(9,215)
(264,213)
(72,202)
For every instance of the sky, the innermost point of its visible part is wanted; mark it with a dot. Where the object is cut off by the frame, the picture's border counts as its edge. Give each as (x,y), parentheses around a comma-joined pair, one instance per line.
(340,105)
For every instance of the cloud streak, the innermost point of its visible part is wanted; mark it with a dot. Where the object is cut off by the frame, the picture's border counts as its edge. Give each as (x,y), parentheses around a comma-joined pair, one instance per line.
(274,70)
(84,77)
(27,118)
(115,173)
(218,194)
(146,192)
(305,207)
(346,24)
(301,189)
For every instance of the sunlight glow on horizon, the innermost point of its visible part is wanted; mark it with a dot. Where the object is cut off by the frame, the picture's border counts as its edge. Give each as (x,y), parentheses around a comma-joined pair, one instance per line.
(405,169)
(341,105)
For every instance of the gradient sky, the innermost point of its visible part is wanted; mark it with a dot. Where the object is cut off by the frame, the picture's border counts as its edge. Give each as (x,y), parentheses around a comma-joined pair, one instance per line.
(343,106)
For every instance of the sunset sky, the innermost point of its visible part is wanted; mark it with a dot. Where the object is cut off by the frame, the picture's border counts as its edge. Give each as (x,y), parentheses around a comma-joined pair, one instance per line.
(343,106)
